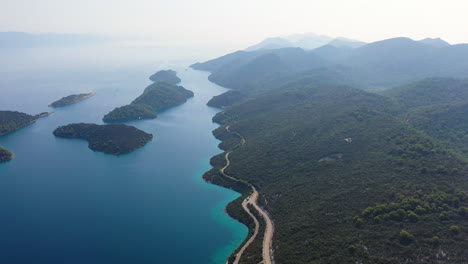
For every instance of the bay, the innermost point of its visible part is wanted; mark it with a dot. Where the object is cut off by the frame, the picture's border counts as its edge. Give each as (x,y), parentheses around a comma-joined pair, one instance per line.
(63,203)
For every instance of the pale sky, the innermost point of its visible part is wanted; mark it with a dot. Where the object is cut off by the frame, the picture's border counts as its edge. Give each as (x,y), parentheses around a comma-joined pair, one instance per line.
(240,22)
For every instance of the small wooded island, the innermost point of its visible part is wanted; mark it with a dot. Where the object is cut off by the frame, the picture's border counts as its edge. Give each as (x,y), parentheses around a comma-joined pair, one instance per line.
(71,99)
(110,139)
(169,76)
(161,94)
(5,155)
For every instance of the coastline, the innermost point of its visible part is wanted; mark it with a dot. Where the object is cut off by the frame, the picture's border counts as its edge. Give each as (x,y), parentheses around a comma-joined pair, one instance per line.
(233,208)
(220,214)
(257,244)
(20,127)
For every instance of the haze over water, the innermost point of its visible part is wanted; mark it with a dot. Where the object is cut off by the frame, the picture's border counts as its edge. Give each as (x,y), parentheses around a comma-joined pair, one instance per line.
(63,203)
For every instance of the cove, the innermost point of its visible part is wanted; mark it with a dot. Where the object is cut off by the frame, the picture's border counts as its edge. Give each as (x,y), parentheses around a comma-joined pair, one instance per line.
(63,203)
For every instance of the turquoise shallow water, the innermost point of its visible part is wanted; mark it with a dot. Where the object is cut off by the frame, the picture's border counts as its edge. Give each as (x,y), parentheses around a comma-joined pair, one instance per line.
(63,203)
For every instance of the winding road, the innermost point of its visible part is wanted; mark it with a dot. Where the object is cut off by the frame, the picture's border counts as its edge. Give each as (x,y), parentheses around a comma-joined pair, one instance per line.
(252,199)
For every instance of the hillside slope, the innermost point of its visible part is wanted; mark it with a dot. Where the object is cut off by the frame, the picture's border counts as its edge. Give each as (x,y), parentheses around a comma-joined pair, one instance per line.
(346,181)
(437,106)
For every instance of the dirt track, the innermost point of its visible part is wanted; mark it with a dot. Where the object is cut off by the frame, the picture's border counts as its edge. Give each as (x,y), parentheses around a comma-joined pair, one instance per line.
(252,199)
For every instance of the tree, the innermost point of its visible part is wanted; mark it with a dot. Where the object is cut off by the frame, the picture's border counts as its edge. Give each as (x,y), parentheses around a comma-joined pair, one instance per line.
(405,237)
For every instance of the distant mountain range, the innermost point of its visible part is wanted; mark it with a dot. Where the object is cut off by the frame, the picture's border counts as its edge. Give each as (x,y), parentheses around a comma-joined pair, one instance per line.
(376,65)
(310,41)
(305,41)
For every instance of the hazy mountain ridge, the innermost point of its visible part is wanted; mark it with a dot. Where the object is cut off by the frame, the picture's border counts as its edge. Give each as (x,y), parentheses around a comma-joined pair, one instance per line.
(306,41)
(377,65)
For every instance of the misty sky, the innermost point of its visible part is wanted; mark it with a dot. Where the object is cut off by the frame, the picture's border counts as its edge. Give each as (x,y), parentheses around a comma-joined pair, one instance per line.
(240,22)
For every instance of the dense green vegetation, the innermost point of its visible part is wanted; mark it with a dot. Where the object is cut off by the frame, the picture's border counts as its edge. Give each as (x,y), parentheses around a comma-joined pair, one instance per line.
(71,99)
(13,120)
(129,112)
(318,206)
(226,99)
(5,155)
(430,91)
(168,76)
(162,95)
(448,123)
(437,106)
(156,96)
(110,139)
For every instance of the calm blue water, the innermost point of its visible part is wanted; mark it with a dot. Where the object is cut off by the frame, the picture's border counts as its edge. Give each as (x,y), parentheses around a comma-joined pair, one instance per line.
(63,203)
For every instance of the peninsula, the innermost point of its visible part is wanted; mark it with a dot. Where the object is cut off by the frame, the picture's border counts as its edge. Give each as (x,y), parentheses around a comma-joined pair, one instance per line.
(14,120)
(71,99)
(111,139)
(156,96)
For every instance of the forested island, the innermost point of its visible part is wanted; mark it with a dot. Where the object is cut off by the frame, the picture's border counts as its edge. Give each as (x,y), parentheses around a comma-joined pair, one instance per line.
(5,155)
(71,99)
(156,96)
(169,76)
(359,155)
(110,139)
(130,112)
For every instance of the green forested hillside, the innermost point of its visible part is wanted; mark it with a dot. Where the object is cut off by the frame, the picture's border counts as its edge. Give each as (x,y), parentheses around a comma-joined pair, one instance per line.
(226,99)
(446,122)
(350,176)
(430,91)
(437,106)
(346,180)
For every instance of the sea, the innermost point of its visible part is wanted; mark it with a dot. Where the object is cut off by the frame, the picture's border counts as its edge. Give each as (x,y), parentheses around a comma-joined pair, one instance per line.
(62,203)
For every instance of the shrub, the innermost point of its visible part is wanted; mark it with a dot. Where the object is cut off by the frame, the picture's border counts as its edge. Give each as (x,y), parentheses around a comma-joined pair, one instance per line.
(412,216)
(463,211)
(359,222)
(352,249)
(405,237)
(454,229)
(441,169)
